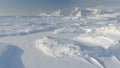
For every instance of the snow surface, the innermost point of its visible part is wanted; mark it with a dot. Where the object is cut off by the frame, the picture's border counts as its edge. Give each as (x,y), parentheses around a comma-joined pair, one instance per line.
(10,56)
(90,41)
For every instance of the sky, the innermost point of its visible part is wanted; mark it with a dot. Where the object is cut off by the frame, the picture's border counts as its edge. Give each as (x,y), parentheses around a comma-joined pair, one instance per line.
(35,7)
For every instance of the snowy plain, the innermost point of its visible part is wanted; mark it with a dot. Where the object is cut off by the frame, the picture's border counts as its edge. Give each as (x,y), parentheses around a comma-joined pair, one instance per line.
(91,41)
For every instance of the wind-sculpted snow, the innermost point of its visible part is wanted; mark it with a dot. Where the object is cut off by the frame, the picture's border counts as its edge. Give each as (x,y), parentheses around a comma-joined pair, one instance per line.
(60,48)
(13,26)
(90,39)
(10,56)
(104,36)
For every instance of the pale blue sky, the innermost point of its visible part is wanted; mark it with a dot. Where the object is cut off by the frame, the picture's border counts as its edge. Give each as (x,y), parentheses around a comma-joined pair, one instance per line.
(34,7)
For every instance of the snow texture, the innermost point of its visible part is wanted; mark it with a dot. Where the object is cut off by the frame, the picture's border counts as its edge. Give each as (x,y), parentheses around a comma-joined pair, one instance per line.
(85,37)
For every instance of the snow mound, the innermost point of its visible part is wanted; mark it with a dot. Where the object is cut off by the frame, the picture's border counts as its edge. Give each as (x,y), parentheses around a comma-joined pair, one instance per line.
(57,47)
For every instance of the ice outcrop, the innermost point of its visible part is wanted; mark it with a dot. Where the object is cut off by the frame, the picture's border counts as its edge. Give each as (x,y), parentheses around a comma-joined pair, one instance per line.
(54,13)
(76,12)
(84,12)
(44,14)
(93,12)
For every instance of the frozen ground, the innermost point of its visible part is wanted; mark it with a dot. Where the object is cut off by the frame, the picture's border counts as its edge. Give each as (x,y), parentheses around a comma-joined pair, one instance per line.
(60,42)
